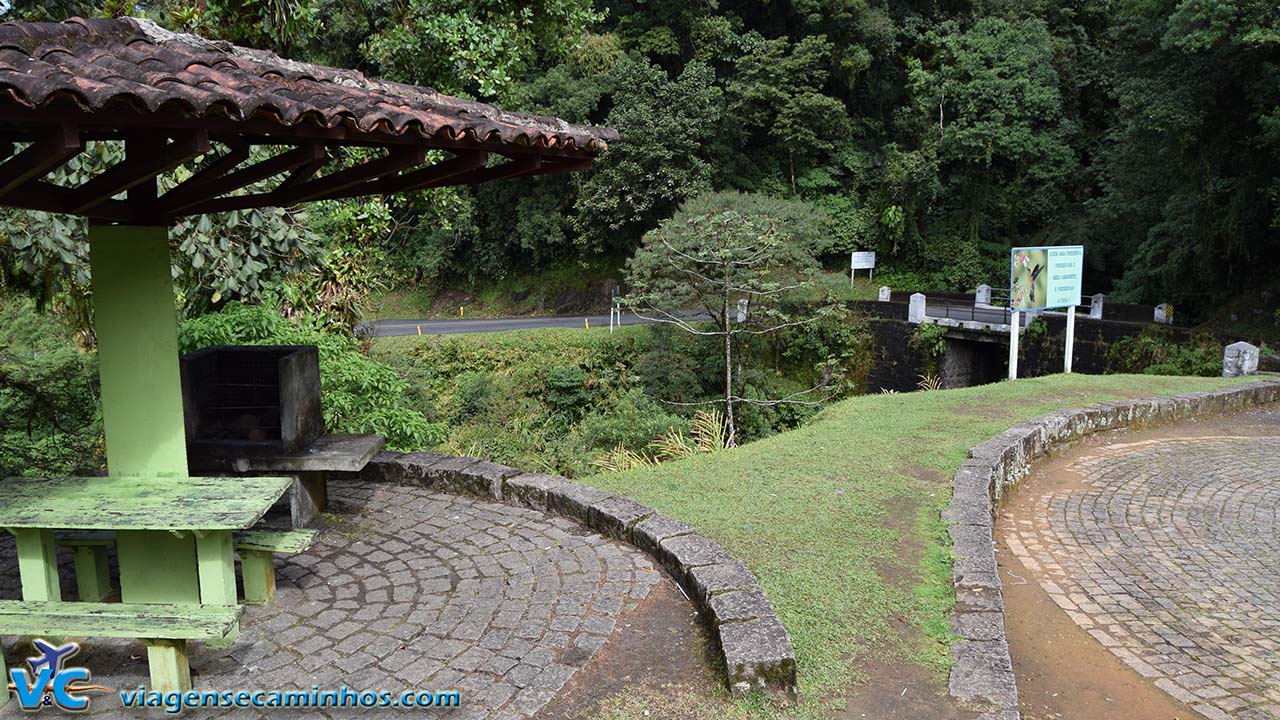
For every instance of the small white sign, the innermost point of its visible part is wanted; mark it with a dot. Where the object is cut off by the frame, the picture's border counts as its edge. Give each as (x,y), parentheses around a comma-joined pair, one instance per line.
(862,260)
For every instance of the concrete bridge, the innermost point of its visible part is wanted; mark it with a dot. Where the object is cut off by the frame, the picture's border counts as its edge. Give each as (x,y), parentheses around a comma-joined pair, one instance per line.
(986,318)
(977,336)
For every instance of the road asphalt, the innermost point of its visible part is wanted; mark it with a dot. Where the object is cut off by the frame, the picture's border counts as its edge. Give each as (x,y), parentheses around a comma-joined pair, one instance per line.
(388,328)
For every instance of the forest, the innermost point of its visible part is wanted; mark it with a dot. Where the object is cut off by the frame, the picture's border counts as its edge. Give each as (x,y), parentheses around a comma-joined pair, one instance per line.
(937,133)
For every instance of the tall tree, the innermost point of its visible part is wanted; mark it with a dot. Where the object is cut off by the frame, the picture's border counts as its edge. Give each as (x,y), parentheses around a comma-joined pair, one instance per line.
(1191,207)
(989,111)
(733,266)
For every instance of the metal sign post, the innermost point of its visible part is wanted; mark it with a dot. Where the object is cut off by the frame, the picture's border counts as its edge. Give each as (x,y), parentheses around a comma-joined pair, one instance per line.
(1013,345)
(1071,339)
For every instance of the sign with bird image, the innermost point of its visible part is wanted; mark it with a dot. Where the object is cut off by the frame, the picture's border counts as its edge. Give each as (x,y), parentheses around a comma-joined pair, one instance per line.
(1045,277)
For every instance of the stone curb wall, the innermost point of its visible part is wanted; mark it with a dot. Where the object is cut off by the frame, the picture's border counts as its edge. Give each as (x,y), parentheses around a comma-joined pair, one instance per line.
(755,647)
(982,678)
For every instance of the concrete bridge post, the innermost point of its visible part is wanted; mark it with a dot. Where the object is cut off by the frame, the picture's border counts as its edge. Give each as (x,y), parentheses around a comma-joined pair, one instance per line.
(915,311)
(983,295)
(1095,309)
(885,293)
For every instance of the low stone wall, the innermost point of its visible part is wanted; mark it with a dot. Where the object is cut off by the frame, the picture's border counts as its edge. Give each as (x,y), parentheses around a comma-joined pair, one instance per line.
(756,649)
(982,677)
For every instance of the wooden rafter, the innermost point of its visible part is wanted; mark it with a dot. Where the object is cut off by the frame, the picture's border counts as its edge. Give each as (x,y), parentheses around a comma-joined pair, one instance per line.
(47,197)
(563,167)
(429,176)
(331,184)
(515,167)
(144,161)
(40,158)
(237,152)
(302,174)
(395,161)
(176,202)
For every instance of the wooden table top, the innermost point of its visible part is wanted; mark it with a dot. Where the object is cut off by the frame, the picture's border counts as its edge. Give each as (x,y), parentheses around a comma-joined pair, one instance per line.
(138,503)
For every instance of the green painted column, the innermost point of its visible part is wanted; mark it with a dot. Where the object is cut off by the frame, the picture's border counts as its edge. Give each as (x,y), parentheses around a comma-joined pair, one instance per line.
(137,330)
(137,350)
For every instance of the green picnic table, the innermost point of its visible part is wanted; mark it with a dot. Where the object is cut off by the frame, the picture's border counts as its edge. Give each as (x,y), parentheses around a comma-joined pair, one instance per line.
(182,525)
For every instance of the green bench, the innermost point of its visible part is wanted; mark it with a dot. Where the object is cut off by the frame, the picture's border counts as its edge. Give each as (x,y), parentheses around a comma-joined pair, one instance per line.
(254,546)
(164,628)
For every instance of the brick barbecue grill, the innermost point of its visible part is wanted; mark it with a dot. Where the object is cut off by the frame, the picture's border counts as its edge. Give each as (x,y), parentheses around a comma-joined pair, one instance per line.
(252,398)
(251,409)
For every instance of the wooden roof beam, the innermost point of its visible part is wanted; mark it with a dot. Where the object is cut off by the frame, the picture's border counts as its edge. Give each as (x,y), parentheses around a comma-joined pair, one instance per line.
(332,184)
(144,161)
(518,166)
(429,176)
(178,200)
(237,152)
(41,157)
(47,197)
(395,161)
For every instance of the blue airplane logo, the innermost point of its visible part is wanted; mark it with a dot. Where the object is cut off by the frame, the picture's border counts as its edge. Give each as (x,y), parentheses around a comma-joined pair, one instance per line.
(51,657)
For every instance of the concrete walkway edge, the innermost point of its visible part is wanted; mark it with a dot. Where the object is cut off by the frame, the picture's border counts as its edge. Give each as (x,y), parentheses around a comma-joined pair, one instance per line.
(755,647)
(982,677)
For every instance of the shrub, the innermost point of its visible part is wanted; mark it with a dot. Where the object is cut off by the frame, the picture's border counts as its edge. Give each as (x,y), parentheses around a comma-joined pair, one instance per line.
(472,398)
(50,420)
(1155,351)
(632,422)
(566,390)
(360,395)
(929,341)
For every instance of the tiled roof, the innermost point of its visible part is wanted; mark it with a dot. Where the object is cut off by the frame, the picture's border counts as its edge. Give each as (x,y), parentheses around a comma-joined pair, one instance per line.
(129,67)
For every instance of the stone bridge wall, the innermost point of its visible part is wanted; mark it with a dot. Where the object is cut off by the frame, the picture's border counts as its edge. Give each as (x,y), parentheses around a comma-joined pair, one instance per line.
(899,367)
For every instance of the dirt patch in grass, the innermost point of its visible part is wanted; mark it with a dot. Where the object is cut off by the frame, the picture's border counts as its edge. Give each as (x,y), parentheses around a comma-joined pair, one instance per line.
(896,689)
(901,691)
(661,649)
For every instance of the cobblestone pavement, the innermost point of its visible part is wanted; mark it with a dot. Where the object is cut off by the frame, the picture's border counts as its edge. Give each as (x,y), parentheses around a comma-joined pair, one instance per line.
(1169,555)
(408,589)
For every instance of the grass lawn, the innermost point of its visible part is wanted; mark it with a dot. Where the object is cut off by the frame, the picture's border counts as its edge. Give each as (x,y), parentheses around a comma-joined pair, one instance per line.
(839,520)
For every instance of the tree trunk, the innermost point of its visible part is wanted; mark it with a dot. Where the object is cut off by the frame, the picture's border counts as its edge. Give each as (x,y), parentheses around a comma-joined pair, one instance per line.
(730,441)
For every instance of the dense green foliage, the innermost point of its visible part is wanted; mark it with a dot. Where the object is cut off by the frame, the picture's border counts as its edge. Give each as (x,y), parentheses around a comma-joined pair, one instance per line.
(556,400)
(50,422)
(938,134)
(1155,351)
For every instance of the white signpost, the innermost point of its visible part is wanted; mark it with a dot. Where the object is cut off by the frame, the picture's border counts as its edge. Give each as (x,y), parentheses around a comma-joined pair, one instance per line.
(1041,278)
(861,261)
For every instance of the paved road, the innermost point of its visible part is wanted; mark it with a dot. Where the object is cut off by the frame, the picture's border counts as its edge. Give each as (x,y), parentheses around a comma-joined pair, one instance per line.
(387,328)
(1166,554)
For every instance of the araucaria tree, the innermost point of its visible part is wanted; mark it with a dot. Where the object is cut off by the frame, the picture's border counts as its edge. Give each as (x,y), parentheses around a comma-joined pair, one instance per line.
(722,275)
